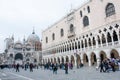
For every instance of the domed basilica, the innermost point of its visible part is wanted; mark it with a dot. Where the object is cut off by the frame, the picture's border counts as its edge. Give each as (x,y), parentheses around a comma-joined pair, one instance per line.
(22,52)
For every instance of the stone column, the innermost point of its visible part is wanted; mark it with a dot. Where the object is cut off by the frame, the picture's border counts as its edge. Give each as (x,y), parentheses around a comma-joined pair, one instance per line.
(98,62)
(112,40)
(64,59)
(118,37)
(60,60)
(96,41)
(106,40)
(89,58)
(75,61)
(56,60)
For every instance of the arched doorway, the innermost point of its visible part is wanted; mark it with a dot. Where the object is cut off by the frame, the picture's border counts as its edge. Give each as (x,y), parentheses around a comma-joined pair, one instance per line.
(114,54)
(85,59)
(62,60)
(67,59)
(58,60)
(72,59)
(78,60)
(19,58)
(93,59)
(102,56)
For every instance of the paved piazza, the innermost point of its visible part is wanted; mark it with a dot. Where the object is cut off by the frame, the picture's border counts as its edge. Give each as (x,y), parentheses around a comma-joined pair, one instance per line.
(86,73)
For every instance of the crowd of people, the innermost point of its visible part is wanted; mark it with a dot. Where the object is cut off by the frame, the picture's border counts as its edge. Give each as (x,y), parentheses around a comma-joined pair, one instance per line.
(106,65)
(54,67)
(109,65)
(17,66)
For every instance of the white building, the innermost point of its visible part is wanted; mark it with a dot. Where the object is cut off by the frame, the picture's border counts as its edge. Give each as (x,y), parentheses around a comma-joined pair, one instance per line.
(26,51)
(86,35)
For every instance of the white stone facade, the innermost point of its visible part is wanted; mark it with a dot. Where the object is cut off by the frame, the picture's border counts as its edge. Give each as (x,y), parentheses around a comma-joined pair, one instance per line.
(86,35)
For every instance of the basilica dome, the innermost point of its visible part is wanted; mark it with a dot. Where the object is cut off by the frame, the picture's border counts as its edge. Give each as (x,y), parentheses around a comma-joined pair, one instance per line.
(33,38)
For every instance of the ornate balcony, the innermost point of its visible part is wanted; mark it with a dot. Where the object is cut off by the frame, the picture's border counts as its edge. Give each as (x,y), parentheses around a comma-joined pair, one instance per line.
(71,33)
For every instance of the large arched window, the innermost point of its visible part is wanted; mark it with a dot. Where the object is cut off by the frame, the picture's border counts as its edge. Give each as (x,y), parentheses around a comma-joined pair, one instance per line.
(62,32)
(85,21)
(53,36)
(110,10)
(71,28)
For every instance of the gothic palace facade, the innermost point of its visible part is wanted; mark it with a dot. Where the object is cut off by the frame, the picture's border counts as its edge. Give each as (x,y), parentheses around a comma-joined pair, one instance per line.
(86,35)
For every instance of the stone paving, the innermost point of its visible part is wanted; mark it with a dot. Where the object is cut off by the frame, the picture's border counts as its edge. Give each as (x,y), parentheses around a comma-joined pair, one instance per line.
(85,73)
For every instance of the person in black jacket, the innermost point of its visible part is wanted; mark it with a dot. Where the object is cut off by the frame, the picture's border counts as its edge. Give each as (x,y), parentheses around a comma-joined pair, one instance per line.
(17,68)
(66,68)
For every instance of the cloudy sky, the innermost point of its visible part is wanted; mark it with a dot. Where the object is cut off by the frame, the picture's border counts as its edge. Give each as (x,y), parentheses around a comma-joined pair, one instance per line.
(19,16)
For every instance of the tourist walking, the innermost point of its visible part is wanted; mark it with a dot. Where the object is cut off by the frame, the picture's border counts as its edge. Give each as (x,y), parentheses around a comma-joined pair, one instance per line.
(102,67)
(17,67)
(66,68)
(55,68)
(31,67)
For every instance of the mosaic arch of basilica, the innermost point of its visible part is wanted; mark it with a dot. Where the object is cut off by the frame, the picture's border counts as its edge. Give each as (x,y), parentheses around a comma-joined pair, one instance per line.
(86,35)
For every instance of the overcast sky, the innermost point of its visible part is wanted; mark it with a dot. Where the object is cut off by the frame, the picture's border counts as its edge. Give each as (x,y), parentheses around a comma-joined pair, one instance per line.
(19,16)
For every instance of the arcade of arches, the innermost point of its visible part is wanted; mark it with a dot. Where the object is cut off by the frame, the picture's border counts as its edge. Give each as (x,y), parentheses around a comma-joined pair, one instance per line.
(88,59)
(104,42)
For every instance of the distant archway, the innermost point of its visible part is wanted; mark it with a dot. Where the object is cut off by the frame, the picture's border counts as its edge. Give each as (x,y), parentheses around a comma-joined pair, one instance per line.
(85,59)
(114,54)
(102,55)
(58,60)
(72,59)
(18,56)
(67,59)
(93,59)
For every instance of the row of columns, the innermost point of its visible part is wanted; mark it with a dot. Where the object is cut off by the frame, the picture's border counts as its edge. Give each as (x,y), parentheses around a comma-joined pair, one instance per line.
(74,45)
(106,53)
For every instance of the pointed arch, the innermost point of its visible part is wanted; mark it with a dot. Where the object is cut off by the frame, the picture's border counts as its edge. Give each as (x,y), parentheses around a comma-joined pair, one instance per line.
(89,40)
(85,43)
(67,59)
(98,39)
(78,44)
(93,59)
(115,37)
(82,44)
(103,39)
(102,55)
(85,59)
(75,45)
(114,54)
(94,42)
(109,39)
